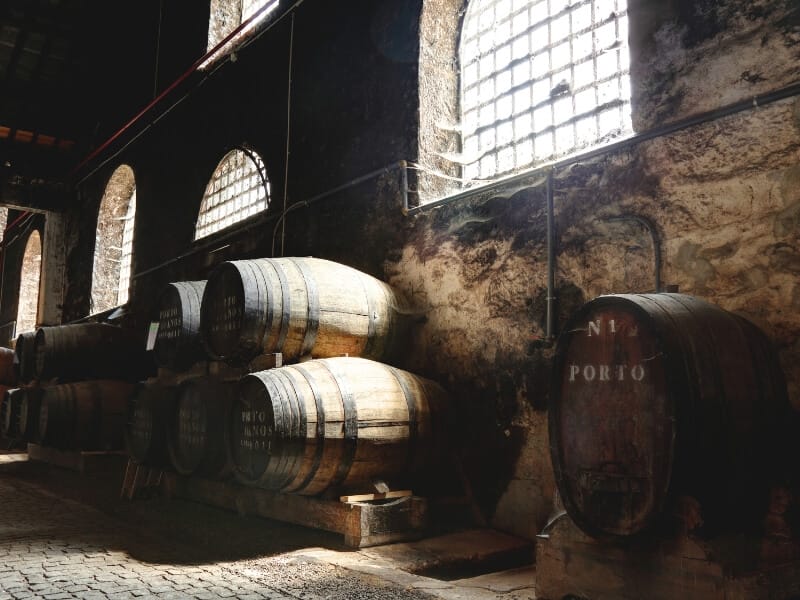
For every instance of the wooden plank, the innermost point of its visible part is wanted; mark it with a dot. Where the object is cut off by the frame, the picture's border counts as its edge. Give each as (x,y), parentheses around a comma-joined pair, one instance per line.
(400,520)
(74,460)
(376,496)
(262,362)
(362,525)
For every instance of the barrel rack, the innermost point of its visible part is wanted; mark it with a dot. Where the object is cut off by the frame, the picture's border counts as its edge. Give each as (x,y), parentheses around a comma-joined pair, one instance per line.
(82,461)
(372,522)
(364,520)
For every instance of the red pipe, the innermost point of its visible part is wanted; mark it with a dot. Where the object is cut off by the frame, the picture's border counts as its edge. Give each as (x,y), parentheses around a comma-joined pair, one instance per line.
(195,65)
(17,220)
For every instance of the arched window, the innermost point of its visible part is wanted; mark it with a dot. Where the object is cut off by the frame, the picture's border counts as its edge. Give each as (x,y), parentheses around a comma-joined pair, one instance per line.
(227,15)
(541,79)
(3,222)
(111,274)
(238,189)
(28,307)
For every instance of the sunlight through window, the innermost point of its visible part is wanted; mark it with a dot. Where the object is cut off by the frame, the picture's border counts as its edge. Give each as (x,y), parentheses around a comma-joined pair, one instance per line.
(541,79)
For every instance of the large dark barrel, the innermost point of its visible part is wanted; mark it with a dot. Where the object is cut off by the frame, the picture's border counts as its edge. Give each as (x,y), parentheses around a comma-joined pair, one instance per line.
(24,357)
(91,351)
(178,345)
(337,422)
(87,415)
(661,396)
(298,306)
(8,375)
(196,433)
(149,412)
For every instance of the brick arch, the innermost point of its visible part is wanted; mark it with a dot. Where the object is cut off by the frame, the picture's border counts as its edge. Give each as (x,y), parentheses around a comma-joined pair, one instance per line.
(30,275)
(111,269)
(239,188)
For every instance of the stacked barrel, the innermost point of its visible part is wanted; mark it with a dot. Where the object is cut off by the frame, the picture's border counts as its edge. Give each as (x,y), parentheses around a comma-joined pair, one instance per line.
(155,410)
(335,419)
(8,406)
(74,386)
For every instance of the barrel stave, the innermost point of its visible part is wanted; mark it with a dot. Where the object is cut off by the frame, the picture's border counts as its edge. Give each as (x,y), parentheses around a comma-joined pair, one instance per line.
(178,345)
(299,307)
(8,375)
(90,351)
(24,356)
(196,433)
(149,411)
(87,415)
(29,413)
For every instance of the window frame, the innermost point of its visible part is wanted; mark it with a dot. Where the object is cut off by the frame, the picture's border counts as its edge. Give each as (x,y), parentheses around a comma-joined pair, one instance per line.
(266,213)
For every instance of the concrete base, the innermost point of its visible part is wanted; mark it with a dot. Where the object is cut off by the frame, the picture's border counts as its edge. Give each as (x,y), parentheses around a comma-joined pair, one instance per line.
(571,564)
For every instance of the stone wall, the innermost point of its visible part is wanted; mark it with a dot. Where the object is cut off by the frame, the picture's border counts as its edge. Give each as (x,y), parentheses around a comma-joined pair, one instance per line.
(722,198)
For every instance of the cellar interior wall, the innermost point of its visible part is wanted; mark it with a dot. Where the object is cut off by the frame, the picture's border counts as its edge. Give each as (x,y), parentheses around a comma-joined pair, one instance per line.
(723,196)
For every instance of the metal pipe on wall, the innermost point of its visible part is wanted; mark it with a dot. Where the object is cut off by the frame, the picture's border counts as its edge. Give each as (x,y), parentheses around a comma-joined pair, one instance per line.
(653,231)
(754,102)
(550,318)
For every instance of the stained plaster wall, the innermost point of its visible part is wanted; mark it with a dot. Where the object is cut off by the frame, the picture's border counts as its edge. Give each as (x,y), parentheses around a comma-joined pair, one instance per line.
(723,197)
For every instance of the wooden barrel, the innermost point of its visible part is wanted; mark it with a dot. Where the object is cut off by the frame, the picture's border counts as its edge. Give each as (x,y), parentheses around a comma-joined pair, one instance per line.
(29,408)
(9,412)
(196,435)
(8,375)
(178,345)
(24,357)
(661,396)
(91,351)
(149,412)
(338,422)
(87,415)
(300,307)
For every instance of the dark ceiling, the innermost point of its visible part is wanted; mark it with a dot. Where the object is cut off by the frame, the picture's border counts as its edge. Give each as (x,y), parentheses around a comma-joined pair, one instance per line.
(73,71)
(42,61)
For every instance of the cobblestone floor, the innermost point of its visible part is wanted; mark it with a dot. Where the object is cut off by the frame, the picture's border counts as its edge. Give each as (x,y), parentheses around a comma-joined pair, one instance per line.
(52,547)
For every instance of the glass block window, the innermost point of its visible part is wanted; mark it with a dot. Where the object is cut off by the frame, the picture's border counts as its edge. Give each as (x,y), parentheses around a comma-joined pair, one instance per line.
(227,15)
(239,188)
(113,250)
(541,79)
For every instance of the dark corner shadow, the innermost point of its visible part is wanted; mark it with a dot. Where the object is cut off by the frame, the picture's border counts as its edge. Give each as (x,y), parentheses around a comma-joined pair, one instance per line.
(62,507)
